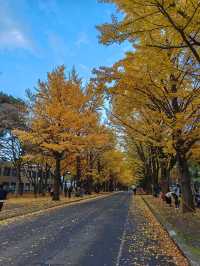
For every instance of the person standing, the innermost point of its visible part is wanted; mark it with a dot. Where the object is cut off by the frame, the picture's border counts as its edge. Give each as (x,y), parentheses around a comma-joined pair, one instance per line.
(70,192)
(168,198)
(3,195)
(65,190)
(176,200)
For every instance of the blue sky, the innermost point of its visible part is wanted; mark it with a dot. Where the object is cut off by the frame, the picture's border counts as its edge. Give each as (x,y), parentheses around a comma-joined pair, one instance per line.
(38,35)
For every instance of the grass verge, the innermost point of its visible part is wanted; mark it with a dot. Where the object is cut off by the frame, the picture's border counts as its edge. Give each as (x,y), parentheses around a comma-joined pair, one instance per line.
(184,229)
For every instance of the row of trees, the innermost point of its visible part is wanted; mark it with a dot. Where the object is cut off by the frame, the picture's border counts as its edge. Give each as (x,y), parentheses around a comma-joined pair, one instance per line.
(154,90)
(59,130)
(154,105)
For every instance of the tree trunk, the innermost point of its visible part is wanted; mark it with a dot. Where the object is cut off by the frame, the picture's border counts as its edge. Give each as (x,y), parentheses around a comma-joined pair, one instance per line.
(106,186)
(56,184)
(147,182)
(43,176)
(46,176)
(187,196)
(90,176)
(35,189)
(154,169)
(164,183)
(78,170)
(20,186)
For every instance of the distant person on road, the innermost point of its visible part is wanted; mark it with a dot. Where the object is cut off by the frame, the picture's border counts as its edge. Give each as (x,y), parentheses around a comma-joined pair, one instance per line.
(3,195)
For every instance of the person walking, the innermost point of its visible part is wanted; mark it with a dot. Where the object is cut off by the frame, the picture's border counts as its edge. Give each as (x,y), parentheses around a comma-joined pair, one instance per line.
(3,195)
(70,192)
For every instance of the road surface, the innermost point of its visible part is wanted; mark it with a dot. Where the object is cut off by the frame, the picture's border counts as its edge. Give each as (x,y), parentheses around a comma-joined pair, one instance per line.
(86,234)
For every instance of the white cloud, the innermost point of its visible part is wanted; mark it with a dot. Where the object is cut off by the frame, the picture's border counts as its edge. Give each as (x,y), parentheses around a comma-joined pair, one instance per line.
(14,38)
(82,39)
(12,33)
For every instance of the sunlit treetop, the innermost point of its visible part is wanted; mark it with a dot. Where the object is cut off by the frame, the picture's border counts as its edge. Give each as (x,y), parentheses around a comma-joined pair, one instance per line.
(156,23)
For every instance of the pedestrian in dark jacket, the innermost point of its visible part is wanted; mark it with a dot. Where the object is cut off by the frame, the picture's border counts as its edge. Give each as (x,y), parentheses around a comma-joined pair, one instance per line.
(176,200)
(65,190)
(3,195)
(70,192)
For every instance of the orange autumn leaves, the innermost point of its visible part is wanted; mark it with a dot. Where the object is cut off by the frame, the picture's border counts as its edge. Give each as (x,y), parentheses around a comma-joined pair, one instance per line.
(61,117)
(65,122)
(155,89)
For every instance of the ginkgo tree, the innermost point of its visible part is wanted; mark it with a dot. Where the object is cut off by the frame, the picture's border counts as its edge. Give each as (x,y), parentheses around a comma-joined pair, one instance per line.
(162,74)
(169,24)
(160,92)
(116,170)
(61,119)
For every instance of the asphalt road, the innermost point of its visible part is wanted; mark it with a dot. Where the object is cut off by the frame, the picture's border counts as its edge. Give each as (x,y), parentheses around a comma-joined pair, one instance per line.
(85,234)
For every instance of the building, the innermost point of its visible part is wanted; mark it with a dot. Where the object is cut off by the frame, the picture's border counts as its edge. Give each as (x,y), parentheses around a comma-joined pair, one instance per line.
(31,176)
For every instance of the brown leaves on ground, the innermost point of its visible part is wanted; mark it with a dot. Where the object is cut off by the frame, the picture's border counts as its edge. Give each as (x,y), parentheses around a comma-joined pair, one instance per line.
(187,225)
(19,206)
(160,242)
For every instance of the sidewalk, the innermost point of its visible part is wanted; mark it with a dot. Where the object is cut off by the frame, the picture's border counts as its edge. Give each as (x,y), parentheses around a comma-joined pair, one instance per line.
(183,228)
(17,206)
(149,244)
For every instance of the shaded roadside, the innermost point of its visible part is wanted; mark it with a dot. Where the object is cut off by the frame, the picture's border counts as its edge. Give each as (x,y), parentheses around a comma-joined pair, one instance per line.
(145,241)
(183,228)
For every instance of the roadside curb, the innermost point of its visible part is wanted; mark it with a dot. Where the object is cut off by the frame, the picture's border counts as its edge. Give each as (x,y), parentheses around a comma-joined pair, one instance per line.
(174,237)
(40,211)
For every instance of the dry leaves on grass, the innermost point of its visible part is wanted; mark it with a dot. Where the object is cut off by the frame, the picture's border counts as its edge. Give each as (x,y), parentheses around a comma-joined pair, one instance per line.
(154,231)
(24,206)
